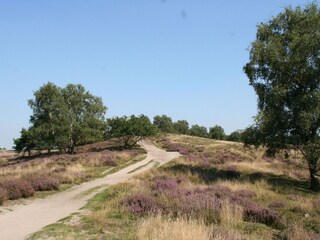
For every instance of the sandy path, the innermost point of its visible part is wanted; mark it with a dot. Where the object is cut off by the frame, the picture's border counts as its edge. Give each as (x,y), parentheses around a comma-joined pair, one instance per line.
(23,220)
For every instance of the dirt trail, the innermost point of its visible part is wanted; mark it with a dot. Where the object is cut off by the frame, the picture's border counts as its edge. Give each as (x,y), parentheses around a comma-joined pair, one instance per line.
(23,220)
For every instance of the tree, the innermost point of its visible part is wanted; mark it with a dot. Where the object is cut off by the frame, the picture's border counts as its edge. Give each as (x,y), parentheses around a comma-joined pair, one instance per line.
(181,127)
(130,130)
(64,118)
(235,136)
(198,131)
(163,123)
(84,116)
(284,70)
(25,143)
(217,132)
(48,116)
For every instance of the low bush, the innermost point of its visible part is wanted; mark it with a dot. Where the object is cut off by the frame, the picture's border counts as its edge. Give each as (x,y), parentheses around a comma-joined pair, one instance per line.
(256,213)
(43,183)
(161,184)
(109,162)
(141,204)
(17,188)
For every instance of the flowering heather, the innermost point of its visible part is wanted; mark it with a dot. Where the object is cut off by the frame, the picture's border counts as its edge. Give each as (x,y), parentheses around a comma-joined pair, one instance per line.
(161,184)
(245,193)
(43,183)
(141,204)
(17,188)
(169,197)
(254,212)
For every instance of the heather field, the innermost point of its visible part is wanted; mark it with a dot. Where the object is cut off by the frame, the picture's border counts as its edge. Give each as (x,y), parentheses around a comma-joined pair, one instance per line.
(43,174)
(216,190)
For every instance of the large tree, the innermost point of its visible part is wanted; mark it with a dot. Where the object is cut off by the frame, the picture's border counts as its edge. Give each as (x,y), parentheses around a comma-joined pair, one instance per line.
(48,116)
(130,130)
(84,116)
(284,70)
(64,118)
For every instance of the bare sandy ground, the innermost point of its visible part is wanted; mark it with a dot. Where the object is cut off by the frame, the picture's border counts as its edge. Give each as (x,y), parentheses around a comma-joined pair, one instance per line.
(20,221)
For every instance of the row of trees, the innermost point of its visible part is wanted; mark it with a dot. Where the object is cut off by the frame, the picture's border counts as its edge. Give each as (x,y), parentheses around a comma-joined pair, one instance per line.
(166,125)
(64,118)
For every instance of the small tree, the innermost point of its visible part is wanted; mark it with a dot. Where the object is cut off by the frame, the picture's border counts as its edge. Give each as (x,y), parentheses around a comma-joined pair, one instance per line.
(163,123)
(217,132)
(198,131)
(181,127)
(235,136)
(130,130)
(25,143)
(284,71)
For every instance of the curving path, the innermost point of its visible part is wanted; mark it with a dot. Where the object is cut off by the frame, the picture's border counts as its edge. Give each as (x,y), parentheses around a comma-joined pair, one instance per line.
(23,220)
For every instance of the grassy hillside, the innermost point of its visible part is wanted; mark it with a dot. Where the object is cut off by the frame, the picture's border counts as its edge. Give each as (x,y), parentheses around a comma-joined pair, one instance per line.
(42,174)
(217,190)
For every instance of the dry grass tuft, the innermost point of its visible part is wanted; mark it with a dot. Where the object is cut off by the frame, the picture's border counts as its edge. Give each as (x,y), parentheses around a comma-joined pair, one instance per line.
(158,228)
(230,214)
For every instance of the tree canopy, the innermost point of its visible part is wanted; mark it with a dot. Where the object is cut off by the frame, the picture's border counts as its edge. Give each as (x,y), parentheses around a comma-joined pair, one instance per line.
(217,132)
(284,70)
(130,130)
(64,118)
(198,131)
(163,123)
(181,127)
(235,136)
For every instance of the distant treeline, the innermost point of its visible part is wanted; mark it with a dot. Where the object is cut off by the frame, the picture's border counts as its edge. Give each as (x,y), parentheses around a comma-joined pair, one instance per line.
(64,118)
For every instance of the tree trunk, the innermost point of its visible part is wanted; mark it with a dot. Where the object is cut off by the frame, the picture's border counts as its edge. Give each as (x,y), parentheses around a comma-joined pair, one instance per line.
(314,181)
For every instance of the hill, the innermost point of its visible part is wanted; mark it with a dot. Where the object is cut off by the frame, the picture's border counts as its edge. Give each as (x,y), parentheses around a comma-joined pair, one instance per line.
(216,190)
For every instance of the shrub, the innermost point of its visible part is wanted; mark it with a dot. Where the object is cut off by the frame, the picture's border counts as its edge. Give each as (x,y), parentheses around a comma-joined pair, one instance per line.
(141,204)
(3,195)
(17,188)
(255,213)
(43,183)
(164,183)
(109,162)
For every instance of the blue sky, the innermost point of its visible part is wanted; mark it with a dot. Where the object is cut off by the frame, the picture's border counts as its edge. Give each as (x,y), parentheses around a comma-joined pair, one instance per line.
(182,58)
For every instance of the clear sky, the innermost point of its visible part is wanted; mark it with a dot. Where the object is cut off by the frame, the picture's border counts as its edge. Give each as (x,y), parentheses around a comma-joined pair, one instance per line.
(182,58)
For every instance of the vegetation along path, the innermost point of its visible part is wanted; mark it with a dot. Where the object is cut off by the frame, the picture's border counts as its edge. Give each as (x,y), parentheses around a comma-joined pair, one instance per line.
(22,220)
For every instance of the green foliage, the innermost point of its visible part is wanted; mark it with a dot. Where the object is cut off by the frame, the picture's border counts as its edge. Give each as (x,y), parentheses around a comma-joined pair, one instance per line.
(163,123)
(284,71)
(130,130)
(235,136)
(25,143)
(217,132)
(84,115)
(64,118)
(198,131)
(181,127)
